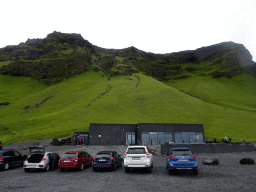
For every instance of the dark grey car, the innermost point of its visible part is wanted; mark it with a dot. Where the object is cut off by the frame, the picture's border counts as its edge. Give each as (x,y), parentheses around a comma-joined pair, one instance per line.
(107,159)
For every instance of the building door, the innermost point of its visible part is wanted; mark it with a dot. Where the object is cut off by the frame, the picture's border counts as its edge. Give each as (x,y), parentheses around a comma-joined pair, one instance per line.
(131,138)
(84,139)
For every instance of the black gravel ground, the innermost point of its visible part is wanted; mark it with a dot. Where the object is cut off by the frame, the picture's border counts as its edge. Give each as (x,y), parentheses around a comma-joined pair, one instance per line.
(229,175)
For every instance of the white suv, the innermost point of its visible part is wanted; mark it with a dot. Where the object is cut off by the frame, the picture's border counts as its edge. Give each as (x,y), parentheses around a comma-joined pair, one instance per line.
(138,157)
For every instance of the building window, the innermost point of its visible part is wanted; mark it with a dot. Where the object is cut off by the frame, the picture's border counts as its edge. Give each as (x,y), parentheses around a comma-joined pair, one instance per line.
(185,137)
(199,138)
(153,137)
(130,136)
(145,138)
(156,137)
(167,137)
(188,137)
(192,137)
(178,137)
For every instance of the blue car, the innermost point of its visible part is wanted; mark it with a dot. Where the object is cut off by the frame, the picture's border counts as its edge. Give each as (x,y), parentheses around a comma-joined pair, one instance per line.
(107,159)
(181,159)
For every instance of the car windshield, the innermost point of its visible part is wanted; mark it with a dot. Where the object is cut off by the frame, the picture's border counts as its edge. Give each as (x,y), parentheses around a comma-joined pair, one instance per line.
(69,155)
(136,151)
(181,153)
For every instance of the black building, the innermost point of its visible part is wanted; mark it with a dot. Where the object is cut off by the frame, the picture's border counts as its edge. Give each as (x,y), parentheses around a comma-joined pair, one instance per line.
(145,133)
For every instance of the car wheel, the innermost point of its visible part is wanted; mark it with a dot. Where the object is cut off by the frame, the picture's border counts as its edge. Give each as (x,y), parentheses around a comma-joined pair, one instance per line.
(170,172)
(26,170)
(47,168)
(195,172)
(127,170)
(114,167)
(81,167)
(166,166)
(149,169)
(6,166)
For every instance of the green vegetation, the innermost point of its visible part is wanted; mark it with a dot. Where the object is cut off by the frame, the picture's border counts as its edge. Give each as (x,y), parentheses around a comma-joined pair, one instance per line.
(119,59)
(38,111)
(212,86)
(4,63)
(237,93)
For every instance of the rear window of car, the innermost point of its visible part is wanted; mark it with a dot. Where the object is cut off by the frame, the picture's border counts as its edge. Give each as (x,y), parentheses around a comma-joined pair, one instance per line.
(181,153)
(69,155)
(102,155)
(136,151)
(37,151)
(104,152)
(1,153)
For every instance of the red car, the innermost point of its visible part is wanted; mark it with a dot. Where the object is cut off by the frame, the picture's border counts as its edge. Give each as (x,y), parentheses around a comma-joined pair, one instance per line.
(75,159)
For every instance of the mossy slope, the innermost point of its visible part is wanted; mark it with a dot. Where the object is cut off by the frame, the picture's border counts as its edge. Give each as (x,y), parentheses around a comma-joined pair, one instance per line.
(73,104)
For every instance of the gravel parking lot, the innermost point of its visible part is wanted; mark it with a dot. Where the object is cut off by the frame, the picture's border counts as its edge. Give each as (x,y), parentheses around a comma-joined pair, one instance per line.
(229,175)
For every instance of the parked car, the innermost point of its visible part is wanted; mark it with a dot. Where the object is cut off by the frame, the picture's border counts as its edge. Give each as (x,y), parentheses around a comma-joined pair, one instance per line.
(1,146)
(107,159)
(181,159)
(40,160)
(138,157)
(10,158)
(75,159)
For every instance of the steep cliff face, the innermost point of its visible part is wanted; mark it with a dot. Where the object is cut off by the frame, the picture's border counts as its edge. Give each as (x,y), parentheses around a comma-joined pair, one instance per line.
(223,59)
(237,53)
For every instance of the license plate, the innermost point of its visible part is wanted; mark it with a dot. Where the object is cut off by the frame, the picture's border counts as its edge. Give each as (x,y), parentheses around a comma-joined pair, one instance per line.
(136,158)
(183,160)
(66,161)
(31,166)
(102,159)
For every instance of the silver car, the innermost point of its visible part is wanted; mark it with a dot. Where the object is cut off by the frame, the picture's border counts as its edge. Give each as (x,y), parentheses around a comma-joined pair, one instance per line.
(40,160)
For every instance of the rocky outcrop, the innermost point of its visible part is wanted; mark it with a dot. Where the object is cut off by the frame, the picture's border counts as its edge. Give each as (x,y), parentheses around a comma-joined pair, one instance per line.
(232,52)
(71,38)
(49,49)
(33,42)
(33,54)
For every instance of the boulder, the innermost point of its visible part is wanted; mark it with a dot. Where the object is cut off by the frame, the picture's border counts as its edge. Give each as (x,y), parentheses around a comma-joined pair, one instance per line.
(246,161)
(211,162)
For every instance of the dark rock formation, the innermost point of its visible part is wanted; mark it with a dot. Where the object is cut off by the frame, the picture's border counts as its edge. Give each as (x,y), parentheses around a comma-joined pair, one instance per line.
(246,161)
(211,162)
(238,53)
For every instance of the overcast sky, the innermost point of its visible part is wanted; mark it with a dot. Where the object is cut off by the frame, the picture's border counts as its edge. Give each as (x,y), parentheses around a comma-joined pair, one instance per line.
(159,26)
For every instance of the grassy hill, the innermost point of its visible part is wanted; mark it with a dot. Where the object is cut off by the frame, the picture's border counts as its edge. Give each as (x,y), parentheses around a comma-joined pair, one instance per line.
(38,111)
(54,86)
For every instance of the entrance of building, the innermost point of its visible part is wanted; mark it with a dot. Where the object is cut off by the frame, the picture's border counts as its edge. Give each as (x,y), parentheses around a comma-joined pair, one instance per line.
(131,138)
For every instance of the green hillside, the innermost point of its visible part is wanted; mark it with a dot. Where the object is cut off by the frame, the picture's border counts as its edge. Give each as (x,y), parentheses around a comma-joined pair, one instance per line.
(38,111)
(238,92)
(54,86)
